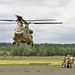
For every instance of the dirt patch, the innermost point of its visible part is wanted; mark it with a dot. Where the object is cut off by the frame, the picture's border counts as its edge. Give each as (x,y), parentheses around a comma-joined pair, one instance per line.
(28,70)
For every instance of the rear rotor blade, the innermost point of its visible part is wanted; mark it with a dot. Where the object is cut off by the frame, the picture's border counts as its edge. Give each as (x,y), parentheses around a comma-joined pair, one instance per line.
(47,23)
(42,20)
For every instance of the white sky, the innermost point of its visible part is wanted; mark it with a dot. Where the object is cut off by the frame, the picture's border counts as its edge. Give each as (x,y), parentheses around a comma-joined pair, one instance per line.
(62,10)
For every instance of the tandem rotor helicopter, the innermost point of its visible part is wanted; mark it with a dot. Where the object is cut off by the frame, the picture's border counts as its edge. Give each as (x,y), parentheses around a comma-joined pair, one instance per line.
(22,33)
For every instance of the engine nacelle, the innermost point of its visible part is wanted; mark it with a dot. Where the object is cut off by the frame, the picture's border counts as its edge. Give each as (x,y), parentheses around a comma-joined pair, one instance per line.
(30,31)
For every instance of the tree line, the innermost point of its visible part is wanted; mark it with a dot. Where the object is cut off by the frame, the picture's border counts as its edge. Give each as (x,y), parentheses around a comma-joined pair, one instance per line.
(44,49)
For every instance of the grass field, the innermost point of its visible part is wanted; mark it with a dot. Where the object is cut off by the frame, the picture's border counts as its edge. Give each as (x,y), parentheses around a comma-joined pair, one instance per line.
(28,66)
(31,61)
(40,61)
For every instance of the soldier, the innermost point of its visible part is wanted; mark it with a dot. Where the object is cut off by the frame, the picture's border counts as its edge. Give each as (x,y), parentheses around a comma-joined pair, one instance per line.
(71,61)
(68,61)
(63,62)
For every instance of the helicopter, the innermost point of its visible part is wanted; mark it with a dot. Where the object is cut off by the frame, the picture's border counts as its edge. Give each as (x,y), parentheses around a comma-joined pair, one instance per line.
(22,33)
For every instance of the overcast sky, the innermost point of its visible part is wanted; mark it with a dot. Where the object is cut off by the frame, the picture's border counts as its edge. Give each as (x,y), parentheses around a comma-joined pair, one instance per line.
(62,10)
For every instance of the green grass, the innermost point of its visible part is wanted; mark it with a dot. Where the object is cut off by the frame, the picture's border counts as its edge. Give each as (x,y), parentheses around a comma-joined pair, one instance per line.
(31,61)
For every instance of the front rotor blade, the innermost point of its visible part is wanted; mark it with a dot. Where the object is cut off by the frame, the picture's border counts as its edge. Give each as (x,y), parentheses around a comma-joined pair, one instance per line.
(6,20)
(47,23)
(8,23)
(30,20)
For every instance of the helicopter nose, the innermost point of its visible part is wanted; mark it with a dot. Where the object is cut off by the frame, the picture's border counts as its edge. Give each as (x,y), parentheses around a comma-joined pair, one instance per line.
(18,30)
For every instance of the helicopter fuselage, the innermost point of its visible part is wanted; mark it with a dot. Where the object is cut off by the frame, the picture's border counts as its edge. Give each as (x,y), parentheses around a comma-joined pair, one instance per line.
(23,34)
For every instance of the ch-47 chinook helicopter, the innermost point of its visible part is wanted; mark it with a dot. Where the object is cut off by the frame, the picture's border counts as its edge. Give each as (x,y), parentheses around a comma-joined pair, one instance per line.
(22,33)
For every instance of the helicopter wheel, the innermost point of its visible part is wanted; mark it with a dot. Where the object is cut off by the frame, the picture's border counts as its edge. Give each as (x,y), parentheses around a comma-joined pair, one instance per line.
(28,43)
(17,44)
(14,43)
(32,44)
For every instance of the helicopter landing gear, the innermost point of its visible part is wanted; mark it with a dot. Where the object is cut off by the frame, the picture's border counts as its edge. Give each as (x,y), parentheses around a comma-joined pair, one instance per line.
(28,43)
(17,44)
(14,43)
(32,44)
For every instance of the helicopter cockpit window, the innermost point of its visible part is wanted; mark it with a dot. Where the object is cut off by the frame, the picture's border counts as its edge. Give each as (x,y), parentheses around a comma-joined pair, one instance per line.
(19,29)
